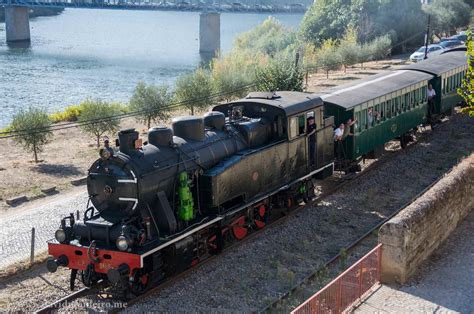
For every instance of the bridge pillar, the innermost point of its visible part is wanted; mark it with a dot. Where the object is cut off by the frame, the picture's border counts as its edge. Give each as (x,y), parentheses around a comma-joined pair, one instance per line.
(17,24)
(209,32)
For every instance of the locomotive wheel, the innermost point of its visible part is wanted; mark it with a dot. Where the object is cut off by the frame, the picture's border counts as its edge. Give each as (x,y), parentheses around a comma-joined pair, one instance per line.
(239,229)
(260,216)
(141,282)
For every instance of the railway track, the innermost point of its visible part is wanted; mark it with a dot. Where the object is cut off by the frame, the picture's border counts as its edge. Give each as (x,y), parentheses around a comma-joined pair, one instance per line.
(337,185)
(311,278)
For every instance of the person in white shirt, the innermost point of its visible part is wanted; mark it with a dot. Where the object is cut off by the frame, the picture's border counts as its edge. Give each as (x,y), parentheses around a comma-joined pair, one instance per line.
(431,98)
(431,93)
(339,132)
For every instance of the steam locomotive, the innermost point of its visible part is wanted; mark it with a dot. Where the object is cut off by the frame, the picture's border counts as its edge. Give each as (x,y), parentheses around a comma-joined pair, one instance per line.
(158,208)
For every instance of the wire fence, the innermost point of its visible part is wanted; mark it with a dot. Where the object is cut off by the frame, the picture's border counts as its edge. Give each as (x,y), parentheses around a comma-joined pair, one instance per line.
(348,288)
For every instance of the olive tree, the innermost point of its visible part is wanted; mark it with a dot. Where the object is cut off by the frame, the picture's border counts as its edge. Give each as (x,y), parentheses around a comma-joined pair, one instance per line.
(278,75)
(32,129)
(97,118)
(348,49)
(328,57)
(194,90)
(151,103)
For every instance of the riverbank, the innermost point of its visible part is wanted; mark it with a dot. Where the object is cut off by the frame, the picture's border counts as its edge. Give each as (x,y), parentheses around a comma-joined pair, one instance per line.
(71,152)
(35,12)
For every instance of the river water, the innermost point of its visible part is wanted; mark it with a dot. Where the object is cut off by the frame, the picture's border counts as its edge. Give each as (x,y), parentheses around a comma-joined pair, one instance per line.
(104,54)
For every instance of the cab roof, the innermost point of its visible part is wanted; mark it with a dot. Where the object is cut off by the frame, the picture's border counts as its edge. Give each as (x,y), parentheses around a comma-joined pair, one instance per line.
(290,102)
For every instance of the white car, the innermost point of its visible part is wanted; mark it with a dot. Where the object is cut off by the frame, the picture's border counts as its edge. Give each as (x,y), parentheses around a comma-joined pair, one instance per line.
(433,50)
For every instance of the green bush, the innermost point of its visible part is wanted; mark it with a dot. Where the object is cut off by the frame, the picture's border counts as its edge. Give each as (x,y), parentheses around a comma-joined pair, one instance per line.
(328,57)
(96,118)
(32,129)
(270,37)
(232,72)
(152,103)
(194,90)
(380,47)
(280,74)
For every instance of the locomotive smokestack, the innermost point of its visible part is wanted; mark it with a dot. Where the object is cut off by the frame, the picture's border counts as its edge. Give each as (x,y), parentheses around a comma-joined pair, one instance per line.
(127,140)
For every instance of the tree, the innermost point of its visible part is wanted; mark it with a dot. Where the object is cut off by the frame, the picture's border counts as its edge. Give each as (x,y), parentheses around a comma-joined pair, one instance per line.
(380,47)
(231,74)
(467,88)
(328,57)
(32,128)
(325,19)
(270,37)
(96,118)
(448,15)
(194,90)
(280,74)
(404,19)
(348,49)
(152,101)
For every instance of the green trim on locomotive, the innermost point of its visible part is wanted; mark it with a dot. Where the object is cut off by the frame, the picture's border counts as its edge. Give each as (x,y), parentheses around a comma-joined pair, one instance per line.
(398,101)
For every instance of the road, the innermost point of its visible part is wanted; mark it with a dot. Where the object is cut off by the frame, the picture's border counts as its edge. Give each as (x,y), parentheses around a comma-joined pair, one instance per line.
(44,215)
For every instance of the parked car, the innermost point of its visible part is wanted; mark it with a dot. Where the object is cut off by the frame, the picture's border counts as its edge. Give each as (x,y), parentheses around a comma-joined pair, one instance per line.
(451,43)
(460,37)
(419,55)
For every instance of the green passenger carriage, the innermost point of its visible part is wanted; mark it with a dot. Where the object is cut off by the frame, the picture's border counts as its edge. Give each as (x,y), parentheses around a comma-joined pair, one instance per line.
(448,71)
(395,104)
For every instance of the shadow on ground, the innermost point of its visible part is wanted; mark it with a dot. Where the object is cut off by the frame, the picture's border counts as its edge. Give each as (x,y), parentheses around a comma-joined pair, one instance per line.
(57,170)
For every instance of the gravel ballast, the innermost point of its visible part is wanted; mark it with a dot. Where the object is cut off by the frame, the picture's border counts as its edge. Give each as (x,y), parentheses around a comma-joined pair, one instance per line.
(253,275)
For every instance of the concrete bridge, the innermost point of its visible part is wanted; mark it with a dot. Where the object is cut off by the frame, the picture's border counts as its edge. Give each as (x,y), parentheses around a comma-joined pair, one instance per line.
(17,24)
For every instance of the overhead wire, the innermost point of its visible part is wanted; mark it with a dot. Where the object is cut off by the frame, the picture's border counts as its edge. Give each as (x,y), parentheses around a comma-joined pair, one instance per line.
(75,124)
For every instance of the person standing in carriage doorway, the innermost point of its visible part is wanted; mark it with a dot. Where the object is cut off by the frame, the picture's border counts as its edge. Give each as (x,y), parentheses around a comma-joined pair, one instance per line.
(311,131)
(431,99)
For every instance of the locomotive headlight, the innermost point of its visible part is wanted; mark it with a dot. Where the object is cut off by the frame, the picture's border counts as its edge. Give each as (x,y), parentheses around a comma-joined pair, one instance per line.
(122,243)
(60,235)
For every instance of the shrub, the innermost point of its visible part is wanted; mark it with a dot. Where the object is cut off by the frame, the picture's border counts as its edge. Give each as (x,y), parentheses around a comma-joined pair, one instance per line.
(380,47)
(33,129)
(70,114)
(152,102)
(194,90)
(233,74)
(270,37)
(348,49)
(96,118)
(278,75)
(328,57)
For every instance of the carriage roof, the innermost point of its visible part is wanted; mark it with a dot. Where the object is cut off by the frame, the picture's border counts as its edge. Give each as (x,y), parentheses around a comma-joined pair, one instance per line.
(351,95)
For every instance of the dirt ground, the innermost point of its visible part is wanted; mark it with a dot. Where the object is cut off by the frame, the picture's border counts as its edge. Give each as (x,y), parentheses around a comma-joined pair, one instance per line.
(71,151)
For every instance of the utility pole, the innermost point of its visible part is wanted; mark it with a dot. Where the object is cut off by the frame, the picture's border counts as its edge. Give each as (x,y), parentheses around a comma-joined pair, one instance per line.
(427,37)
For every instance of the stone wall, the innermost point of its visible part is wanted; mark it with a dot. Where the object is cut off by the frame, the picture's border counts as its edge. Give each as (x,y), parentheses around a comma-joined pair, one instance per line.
(413,234)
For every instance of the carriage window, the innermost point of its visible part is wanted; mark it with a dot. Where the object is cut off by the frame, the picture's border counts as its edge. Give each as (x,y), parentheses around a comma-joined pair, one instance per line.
(363,122)
(293,127)
(301,124)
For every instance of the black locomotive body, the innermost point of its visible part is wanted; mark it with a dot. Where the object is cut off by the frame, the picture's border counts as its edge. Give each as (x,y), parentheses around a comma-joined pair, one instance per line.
(162,207)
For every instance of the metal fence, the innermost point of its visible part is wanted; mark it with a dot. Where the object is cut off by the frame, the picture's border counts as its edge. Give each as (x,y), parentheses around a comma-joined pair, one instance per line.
(349,287)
